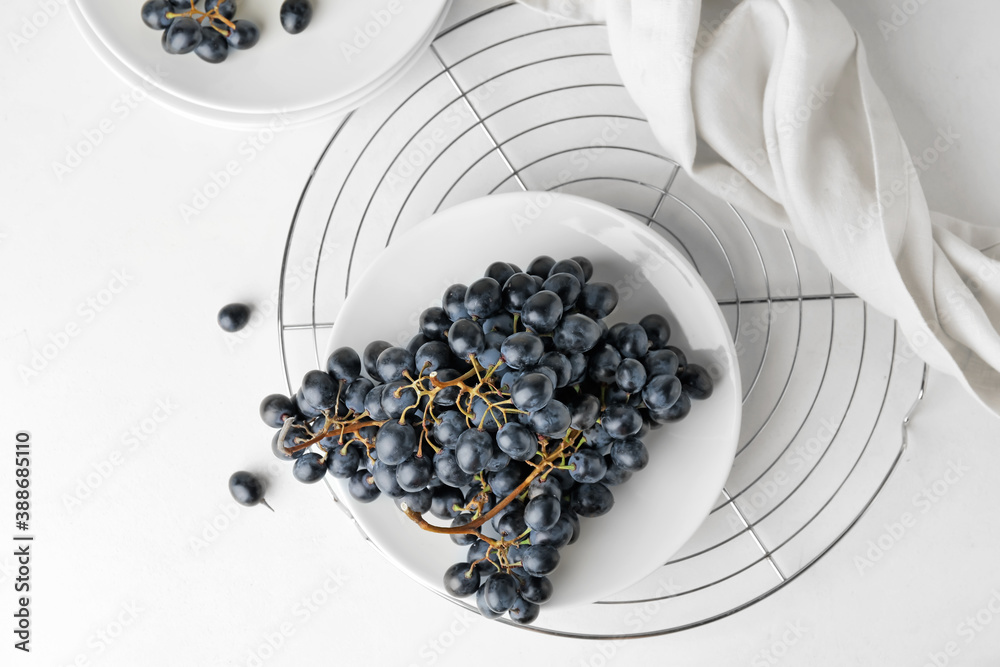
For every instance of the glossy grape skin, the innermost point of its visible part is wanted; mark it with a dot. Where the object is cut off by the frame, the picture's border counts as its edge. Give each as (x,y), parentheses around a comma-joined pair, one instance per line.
(597,300)
(621,420)
(587,465)
(483,297)
(183,35)
(532,391)
(154,14)
(537,589)
(523,612)
(474,450)
(696,381)
(576,333)
(657,330)
(434,323)
(246,488)
(414,473)
(275,409)
(448,471)
(592,500)
(566,286)
(309,468)
(344,364)
(362,487)
(416,501)
(681,357)
(511,524)
(540,266)
(578,366)
(661,362)
(385,479)
(501,592)
(355,393)
(245,36)
(500,272)
(343,465)
(484,608)
(466,339)
(432,356)
(462,539)
(319,390)
(522,350)
(397,397)
(213,47)
(632,341)
(679,410)
(603,363)
(517,441)
(616,474)
(542,312)
(557,536)
(295,15)
(447,502)
(370,357)
(373,403)
(449,427)
(499,322)
(491,352)
(542,512)
(552,420)
(506,480)
(631,454)
(519,288)
(453,302)
(498,461)
(586,266)
(539,560)
(234,316)
(460,580)
(560,365)
(395,443)
(631,375)
(395,363)
(661,392)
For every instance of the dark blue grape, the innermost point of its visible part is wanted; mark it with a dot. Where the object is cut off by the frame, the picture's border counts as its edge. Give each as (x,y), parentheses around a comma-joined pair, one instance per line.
(484,608)
(576,333)
(540,266)
(501,592)
(603,363)
(342,462)
(592,500)
(560,365)
(584,410)
(522,350)
(453,302)
(227,8)
(385,479)
(275,409)
(371,354)
(483,297)
(518,289)
(570,266)
(500,272)
(416,501)
(355,394)
(295,15)
(621,420)
(183,35)
(578,365)
(234,316)
(632,341)
(542,512)
(536,589)
(542,311)
(245,36)
(373,403)
(295,435)
(557,536)
(395,363)
(432,356)
(616,474)
(597,300)
(597,437)
(552,420)
(500,322)
(447,469)
(466,339)
(319,390)
(498,461)
(448,428)
(587,465)
(661,392)
(415,473)
(681,358)
(474,450)
(434,323)
(630,454)
(395,443)
(657,330)
(213,47)
(490,355)
(566,285)
(246,488)
(586,265)
(511,525)
(660,362)
(460,580)
(447,502)
(415,342)
(462,539)
(675,412)
(523,612)
(154,14)
(344,364)
(397,397)
(362,487)
(532,391)
(696,381)
(631,375)
(539,560)
(505,481)
(517,441)
(309,468)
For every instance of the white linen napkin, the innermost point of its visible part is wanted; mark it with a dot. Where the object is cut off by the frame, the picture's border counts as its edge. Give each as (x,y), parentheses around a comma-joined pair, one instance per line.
(770,105)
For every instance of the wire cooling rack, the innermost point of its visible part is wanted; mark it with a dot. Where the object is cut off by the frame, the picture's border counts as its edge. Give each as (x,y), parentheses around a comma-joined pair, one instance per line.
(507,99)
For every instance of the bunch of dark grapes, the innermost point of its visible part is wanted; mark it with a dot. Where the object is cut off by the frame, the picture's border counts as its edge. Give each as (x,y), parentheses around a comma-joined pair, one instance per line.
(511,414)
(212,31)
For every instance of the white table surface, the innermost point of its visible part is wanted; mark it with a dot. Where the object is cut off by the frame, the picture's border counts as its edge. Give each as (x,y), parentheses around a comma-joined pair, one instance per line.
(134,573)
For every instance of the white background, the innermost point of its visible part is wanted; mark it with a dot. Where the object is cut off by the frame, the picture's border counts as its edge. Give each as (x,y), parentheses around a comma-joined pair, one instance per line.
(140,549)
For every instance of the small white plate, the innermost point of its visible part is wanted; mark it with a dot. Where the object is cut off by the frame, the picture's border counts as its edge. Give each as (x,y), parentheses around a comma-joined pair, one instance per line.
(316,73)
(660,508)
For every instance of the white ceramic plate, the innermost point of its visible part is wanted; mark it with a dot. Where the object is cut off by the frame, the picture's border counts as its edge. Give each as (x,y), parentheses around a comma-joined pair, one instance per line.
(660,508)
(302,77)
